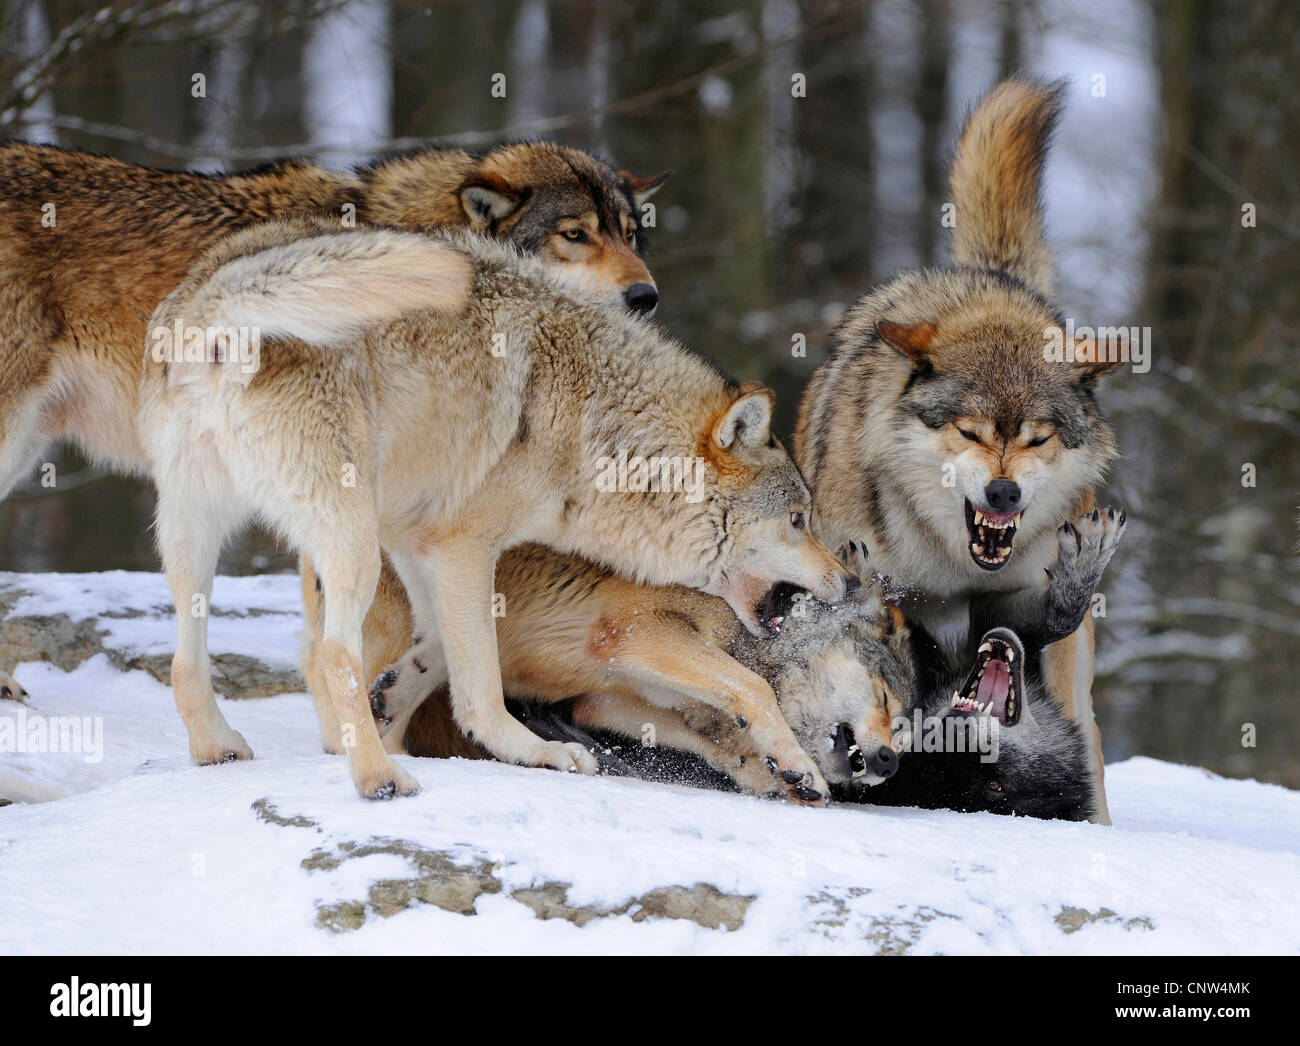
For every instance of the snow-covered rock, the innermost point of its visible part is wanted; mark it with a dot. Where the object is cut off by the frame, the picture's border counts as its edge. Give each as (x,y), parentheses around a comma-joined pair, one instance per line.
(124,846)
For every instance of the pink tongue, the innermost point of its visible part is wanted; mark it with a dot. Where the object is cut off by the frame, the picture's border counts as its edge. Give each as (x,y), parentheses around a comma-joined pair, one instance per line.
(995,686)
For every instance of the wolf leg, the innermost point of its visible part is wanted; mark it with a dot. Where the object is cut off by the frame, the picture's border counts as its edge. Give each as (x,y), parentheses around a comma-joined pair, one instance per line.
(314,617)
(189,542)
(669,665)
(1067,675)
(403,685)
(460,573)
(1046,615)
(348,576)
(708,734)
(21,442)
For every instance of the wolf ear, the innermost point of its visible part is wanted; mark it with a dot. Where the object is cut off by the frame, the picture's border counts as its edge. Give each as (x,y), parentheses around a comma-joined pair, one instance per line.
(643,188)
(487,199)
(748,419)
(1095,357)
(913,340)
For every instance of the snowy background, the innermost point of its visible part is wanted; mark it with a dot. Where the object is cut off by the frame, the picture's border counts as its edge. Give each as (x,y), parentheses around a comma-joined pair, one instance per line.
(143,852)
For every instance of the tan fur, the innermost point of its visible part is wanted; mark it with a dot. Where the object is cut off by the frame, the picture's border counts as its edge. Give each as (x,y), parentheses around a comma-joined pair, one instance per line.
(668,658)
(445,437)
(941,376)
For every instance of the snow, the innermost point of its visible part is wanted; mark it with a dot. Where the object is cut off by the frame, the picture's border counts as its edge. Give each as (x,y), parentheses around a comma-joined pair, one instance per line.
(143,852)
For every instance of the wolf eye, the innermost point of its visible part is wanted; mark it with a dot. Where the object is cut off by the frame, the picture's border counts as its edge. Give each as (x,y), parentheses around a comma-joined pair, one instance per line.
(796,520)
(969,435)
(574,235)
(994,785)
(1040,441)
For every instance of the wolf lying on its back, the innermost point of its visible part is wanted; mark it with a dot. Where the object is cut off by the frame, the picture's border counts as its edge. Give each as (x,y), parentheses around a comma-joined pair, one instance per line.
(76,295)
(667,659)
(941,441)
(1041,765)
(444,399)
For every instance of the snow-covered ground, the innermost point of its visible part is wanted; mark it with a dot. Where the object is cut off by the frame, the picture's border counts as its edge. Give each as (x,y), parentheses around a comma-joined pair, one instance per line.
(137,850)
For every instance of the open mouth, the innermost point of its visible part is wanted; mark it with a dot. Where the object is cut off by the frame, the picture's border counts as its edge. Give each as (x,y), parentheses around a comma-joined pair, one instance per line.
(775,606)
(991,535)
(995,686)
(846,745)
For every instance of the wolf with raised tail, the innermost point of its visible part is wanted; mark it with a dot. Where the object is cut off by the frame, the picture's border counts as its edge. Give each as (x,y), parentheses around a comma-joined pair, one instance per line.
(950,449)
(443,399)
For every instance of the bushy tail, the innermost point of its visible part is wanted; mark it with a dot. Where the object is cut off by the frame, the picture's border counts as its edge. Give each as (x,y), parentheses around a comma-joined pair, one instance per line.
(325,288)
(996,181)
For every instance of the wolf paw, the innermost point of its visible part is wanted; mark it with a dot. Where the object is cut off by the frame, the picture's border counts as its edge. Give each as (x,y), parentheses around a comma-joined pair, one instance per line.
(799,781)
(567,756)
(386,782)
(1088,543)
(222,746)
(853,555)
(1086,546)
(12,690)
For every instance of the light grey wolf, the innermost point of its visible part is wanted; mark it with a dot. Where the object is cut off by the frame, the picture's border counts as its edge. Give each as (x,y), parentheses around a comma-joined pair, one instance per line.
(445,399)
(89,246)
(945,449)
(658,664)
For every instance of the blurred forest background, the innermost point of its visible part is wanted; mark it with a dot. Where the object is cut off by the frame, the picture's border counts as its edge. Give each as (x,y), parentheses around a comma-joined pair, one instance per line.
(783,209)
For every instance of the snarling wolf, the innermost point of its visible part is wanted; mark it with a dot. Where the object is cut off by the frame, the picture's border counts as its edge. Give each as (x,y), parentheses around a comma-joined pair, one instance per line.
(444,399)
(670,668)
(89,246)
(1036,766)
(946,449)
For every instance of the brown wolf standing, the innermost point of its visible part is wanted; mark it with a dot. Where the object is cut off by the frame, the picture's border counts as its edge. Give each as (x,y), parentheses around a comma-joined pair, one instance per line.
(943,445)
(89,246)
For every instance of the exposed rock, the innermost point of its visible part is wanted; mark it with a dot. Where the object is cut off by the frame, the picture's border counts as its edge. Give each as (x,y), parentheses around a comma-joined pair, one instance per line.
(267,811)
(1072,920)
(701,903)
(455,885)
(58,639)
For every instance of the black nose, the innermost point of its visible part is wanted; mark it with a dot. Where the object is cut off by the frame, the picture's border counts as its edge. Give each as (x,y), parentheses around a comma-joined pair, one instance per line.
(641,297)
(884,763)
(1003,495)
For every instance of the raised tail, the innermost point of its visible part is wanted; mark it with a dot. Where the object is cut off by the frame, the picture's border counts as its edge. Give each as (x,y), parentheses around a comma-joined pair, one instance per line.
(997,177)
(292,280)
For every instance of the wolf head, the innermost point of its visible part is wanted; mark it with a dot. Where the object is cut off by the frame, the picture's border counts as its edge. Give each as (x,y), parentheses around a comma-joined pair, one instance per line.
(760,508)
(737,527)
(1000,439)
(994,743)
(563,205)
(844,675)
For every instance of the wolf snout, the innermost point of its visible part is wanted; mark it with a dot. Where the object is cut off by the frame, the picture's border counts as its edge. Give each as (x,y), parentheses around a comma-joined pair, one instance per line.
(1003,495)
(883,762)
(641,298)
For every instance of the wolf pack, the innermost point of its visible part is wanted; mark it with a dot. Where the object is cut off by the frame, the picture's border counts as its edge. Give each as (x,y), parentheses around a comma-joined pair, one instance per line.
(533,527)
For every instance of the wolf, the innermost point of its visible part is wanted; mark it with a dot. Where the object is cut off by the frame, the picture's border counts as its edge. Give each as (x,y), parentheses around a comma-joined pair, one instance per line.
(1037,766)
(948,449)
(90,245)
(444,398)
(657,663)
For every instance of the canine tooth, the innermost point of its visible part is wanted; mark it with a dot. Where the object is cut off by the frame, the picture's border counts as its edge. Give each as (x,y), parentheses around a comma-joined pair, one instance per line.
(979,517)
(1011,655)
(985,648)
(979,549)
(1016,521)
